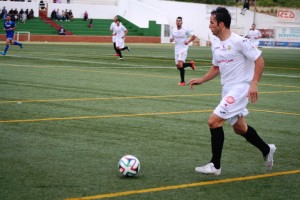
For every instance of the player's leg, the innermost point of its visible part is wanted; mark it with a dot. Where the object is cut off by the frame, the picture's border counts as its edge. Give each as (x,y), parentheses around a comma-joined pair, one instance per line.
(190,64)
(181,69)
(183,56)
(13,42)
(217,139)
(249,133)
(119,46)
(227,109)
(125,48)
(180,60)
(115,48)
(8,41)
(119,53)
(236,102)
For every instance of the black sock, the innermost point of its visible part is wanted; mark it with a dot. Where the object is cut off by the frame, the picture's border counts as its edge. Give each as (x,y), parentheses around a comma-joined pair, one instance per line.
(217,140)
(186,65)
(182,71)
(119,52)
(253,138)
(115,48)
(124,48)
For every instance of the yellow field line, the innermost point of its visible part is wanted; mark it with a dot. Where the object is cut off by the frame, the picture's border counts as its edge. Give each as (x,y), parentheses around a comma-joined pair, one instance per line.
(132,97)
(108,98)
(273,85)
(276,112)
(131,115)
(183,186)
(101,117)
(282,68)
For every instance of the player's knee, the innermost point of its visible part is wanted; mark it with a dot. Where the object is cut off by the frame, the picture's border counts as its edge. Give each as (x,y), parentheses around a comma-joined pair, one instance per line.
(179,66)
(212,123)
(240,130)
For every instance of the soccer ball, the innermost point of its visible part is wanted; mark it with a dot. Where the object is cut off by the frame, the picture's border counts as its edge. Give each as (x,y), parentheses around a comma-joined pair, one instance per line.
(129,165)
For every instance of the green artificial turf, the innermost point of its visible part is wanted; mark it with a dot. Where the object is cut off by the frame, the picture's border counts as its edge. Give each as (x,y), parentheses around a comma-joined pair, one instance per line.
(69,112)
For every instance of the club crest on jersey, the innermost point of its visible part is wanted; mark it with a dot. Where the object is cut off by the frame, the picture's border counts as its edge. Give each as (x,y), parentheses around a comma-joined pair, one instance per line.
(230,99)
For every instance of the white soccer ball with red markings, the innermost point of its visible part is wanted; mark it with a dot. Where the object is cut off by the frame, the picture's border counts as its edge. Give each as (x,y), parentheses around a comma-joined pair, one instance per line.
(129,165)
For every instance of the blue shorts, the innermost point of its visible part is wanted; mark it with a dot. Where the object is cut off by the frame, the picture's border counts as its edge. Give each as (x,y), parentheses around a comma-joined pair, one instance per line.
(9,36)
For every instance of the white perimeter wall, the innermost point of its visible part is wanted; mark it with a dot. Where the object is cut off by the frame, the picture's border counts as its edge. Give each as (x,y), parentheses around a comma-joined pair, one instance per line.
(195,16)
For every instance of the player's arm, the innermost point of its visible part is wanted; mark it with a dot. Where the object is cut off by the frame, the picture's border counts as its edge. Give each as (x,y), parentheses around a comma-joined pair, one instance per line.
(258,35)
(253,90)
(125,33)
(211,74)
(111,28)
(172,37)
(11,28)
(192,38)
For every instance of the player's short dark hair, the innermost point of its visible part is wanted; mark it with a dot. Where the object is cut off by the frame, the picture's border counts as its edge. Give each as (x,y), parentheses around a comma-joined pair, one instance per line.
(222,15)
(179,17)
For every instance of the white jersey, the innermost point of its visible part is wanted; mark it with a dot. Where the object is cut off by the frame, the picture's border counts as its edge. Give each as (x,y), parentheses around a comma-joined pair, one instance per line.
(254,36)
(235,58)
(180,37)
(120,33)
(113,29)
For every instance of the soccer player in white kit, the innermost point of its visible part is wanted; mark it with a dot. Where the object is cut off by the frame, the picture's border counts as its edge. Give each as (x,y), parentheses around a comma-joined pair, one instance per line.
(112,29)
(254,36)
(182,37)
(120,33)
(240,67)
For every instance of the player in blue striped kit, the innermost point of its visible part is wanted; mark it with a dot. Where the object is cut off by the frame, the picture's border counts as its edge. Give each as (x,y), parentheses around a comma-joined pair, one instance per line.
(9,28)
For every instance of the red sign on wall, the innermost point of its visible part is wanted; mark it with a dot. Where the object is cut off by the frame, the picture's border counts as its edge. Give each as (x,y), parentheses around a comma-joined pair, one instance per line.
(286,15)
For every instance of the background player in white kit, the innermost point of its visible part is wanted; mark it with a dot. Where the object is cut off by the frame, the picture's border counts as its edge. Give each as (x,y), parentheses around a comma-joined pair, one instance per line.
(240,67)
(182,37)
(112,29)
(120,33)
(254,36)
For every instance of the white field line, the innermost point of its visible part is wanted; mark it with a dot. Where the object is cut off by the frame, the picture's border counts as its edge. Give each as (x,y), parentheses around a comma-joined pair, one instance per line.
(133,66)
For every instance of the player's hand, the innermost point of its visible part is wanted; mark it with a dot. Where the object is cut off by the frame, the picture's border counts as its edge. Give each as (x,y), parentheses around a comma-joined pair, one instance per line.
(193,82)
(253,92)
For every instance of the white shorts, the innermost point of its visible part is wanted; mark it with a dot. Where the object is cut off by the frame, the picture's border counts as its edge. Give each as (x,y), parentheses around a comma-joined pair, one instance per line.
(234,102)
(113,38)
(180,55)
(120,43)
